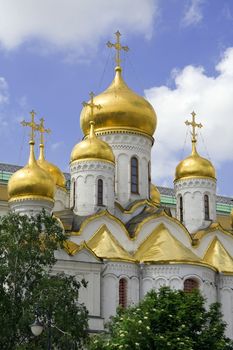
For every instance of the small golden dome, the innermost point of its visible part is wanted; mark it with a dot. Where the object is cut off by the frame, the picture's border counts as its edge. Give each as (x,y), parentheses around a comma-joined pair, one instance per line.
(53,170)
(92,148)
(120,109)
(194,166)
(154,194)
(31,182)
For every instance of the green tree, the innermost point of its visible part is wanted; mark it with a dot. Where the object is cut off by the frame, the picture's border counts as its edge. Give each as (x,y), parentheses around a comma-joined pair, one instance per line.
(166,320)
(27,246)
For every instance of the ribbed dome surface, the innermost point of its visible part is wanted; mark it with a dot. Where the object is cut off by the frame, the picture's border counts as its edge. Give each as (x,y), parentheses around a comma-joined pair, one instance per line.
(121,110)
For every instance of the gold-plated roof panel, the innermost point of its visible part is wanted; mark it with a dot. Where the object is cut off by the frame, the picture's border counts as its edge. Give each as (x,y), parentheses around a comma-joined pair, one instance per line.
(121,108)
(105,246)
(217,256)
(162,246)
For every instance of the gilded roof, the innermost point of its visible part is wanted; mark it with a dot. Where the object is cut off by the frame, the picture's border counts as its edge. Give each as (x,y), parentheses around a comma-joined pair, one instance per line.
(92,148)
(121,109)
(195,166)
(217,256)
(162,246)
(105,246)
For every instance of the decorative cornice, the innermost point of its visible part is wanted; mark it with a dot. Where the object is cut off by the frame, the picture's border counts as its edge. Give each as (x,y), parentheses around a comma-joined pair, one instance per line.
(30,198)
(195,181)
(123,131)
(92,165)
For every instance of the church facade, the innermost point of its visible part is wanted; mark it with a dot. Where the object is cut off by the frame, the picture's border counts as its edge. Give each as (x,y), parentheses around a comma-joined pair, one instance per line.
(121,238)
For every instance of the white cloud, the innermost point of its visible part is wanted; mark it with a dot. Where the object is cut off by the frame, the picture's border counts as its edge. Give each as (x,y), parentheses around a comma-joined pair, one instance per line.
(193,13)
(76,25)
(56,145)
(4,96)
(211,97)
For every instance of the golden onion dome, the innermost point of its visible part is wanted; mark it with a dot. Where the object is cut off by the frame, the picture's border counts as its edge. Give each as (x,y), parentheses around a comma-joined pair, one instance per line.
(31,182)
(120,109)
(56,174)
(92,148)
(154,194)
(195,166)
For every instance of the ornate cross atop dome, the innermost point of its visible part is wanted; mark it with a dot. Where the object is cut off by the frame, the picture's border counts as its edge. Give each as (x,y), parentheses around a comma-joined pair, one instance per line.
(91,104)
(42,130)
(117,45)
(194,125)
(32,125)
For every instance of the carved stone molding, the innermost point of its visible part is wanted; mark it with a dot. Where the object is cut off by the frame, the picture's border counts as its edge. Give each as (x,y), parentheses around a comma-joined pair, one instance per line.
(195,183)
(92,166)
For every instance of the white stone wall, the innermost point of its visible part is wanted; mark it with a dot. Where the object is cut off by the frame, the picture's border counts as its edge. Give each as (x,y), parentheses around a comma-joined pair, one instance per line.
(31,206)
(112,273)
(125,146)
(61,199)
(192,191)
(85,176)
(173,276)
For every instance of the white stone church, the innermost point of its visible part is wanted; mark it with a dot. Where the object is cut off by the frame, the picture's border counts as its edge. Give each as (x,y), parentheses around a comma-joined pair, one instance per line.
(123,238)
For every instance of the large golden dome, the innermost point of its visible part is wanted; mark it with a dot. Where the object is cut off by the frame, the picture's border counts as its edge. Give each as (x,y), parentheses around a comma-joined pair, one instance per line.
(31,182)
(92,148)
(121,110)
(56,174)
(195,166)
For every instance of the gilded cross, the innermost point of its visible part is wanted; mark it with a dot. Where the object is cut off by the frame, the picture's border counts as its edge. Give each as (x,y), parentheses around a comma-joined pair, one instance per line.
(42,130)
(117,45)
(32,125)
(194,125)
(91,104)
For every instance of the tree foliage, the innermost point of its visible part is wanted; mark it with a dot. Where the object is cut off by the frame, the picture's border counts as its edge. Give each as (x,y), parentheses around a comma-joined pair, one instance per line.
(27,246)
(166,320)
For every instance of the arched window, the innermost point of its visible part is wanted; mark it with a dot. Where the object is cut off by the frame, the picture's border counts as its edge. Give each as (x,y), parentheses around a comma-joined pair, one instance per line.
(123,292)
(190,284)
(100,192)
(181,209)
(134,175)
(206,207)
(149,178)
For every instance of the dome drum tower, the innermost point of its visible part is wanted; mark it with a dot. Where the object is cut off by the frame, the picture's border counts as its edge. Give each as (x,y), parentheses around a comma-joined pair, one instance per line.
(126,121)
(92,168)
(31,188)
(195,188)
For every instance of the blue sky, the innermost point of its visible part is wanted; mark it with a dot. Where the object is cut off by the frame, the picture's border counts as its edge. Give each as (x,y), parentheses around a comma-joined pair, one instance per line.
(53,53)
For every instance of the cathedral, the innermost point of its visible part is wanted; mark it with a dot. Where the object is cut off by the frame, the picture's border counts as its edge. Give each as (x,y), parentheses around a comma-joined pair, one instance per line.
(125,235)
